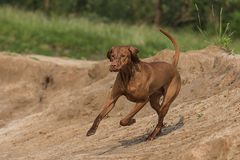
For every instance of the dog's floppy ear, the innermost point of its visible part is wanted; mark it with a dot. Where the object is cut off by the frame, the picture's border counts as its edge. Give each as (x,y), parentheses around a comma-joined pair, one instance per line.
(134,51)
(109,53)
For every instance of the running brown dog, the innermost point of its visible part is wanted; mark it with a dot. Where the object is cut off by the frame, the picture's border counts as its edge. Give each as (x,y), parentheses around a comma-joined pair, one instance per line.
(141,82)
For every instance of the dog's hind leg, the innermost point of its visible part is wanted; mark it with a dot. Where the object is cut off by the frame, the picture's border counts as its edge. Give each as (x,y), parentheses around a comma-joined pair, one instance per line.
(154,103)
(128,120)
(169,96)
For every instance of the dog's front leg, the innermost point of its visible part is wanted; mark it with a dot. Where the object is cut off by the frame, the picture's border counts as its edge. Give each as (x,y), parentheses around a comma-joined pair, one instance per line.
(128,120)
(115,93)
(107,108)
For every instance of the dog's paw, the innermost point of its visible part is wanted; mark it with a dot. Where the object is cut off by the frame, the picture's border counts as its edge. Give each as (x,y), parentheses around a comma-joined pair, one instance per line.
(127,123)
(132,121)
(153,136)
(91,132)
(150,138)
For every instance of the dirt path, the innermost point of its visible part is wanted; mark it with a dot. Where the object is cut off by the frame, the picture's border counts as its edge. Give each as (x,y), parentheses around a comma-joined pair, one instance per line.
(47,105)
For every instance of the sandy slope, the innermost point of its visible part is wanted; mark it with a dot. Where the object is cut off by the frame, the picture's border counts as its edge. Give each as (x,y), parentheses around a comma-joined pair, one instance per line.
(47,105)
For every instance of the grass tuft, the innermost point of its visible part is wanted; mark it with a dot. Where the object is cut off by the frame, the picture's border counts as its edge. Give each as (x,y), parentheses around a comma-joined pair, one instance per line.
(223,36)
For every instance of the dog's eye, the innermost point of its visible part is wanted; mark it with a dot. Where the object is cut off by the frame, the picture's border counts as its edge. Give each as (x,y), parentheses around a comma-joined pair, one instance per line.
(123,56)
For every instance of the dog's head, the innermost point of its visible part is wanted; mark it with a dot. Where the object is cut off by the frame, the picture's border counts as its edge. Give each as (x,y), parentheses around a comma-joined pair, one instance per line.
(121,56)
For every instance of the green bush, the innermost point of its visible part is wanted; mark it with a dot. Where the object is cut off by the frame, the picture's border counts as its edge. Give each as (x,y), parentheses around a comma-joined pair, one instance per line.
(235,23)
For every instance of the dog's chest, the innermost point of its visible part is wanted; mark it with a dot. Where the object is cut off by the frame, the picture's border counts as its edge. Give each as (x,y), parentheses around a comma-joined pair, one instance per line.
(136,92)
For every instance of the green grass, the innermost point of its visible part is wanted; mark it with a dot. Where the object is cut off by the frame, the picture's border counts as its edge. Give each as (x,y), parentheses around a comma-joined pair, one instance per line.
(33,33)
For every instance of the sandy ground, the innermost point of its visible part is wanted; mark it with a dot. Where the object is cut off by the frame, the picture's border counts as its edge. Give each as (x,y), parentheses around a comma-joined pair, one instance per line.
(48,104)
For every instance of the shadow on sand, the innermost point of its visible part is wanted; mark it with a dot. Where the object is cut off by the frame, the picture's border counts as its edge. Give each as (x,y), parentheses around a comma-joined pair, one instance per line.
(139,139)
(166,130)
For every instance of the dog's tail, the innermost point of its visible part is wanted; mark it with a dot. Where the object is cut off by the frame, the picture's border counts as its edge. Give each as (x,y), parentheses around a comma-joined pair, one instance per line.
(176,55)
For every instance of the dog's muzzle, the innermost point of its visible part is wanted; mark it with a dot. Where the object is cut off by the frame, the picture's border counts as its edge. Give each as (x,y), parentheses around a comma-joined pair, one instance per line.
(114,68)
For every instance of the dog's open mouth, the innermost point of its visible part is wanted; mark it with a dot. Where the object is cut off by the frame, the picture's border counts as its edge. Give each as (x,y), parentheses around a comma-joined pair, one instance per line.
(114,69)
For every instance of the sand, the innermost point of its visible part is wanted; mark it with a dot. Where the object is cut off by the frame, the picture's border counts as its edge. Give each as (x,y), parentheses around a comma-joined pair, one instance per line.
(48,104)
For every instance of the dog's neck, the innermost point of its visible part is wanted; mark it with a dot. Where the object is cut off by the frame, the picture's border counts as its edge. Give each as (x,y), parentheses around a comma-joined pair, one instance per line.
(129,72)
